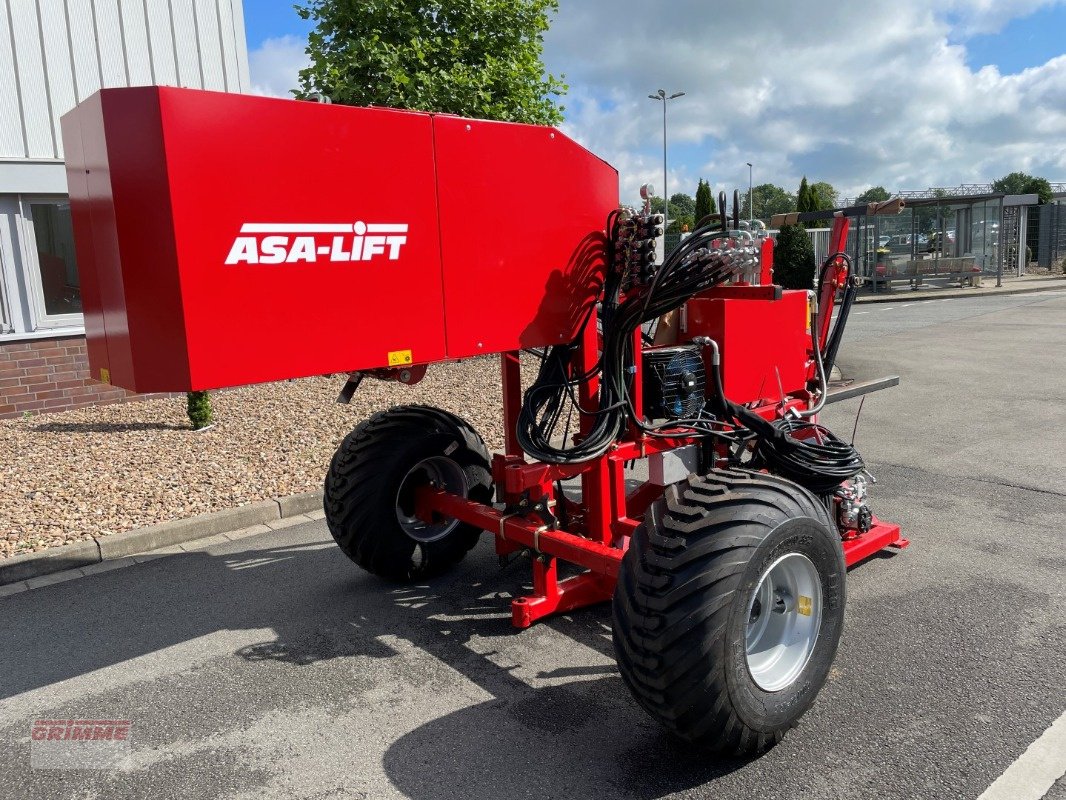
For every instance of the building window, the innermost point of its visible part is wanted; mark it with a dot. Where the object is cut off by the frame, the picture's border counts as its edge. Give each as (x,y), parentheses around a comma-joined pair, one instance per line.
(54,280)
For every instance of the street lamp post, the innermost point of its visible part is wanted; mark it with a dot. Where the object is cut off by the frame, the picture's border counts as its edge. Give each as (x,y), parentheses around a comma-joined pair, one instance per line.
(664,97)
(751,208)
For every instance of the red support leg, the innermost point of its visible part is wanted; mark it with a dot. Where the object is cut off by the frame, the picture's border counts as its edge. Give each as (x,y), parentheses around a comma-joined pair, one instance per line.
(552,596)
(512,400)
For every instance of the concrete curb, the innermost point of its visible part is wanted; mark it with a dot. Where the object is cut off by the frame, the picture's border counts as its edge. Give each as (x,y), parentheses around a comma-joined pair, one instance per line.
(154,537)
(908,296)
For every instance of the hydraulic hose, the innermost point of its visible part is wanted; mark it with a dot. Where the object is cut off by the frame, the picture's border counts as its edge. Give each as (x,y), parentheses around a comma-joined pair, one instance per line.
(823,380)
(836,335)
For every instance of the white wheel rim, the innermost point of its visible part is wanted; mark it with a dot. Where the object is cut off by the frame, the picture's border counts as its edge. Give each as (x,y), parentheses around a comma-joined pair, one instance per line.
(784,616)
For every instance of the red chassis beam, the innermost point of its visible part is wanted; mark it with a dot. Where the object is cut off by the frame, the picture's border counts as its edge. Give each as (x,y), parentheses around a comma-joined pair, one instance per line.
(528,533)
(550,595)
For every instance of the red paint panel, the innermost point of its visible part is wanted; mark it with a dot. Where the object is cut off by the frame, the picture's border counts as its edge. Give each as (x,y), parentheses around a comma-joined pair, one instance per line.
(140,203)
(104,241)
(522,214)
(238,239)
(236,160)
(78,190)
(177,177)
(759,340)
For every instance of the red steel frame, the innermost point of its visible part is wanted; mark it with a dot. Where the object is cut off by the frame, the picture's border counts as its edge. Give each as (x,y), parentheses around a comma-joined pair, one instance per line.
(601,524)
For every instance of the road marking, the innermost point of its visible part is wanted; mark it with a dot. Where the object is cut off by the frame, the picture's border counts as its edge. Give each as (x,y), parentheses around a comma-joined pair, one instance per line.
(862,312)
(907,305)
(1036,770)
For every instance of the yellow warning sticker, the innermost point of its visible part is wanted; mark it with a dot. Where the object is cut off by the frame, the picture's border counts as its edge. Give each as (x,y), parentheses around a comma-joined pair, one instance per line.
(397,358)
(804,605)
(105,375)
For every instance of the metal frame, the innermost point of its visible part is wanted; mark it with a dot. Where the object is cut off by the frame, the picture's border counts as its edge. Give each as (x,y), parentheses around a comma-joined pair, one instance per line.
(599,527)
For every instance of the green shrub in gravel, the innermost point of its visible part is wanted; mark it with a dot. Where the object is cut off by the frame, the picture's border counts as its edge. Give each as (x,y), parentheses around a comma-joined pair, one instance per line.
(198,406)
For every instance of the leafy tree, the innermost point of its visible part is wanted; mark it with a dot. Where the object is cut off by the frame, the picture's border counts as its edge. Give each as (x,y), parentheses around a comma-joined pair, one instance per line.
(682,205)
(680,223)
(878,194)
(794,258)
(1022,183)
(767,200)
(826,196)
(682,211)
(476,58)
(704,201)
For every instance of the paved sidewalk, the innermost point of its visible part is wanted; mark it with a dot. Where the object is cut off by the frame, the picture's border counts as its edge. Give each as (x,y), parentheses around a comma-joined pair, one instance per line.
(932,291)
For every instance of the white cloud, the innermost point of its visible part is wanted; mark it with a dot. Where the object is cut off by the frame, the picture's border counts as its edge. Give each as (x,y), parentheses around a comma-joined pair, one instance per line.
(990,16)
(275,65)
(856,94)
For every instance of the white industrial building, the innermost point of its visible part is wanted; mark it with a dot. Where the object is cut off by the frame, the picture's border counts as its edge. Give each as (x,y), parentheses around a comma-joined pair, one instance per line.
(53,54)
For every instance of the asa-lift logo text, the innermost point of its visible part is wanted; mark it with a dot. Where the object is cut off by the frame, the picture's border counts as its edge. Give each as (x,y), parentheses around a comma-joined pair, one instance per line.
(291,243)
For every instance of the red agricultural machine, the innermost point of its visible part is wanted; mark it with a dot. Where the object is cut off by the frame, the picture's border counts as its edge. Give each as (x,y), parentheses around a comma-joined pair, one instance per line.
(226,240)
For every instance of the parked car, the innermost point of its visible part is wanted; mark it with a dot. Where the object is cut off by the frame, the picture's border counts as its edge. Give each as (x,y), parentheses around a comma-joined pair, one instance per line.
(900,243)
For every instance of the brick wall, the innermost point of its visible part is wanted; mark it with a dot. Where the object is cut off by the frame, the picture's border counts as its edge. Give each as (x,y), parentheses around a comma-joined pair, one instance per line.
(50,375)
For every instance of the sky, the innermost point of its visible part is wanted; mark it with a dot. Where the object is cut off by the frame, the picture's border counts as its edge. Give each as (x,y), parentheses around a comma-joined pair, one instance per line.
(905,94)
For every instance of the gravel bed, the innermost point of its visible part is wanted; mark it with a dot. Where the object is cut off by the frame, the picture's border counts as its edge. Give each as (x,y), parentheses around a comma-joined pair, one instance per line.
(94,471)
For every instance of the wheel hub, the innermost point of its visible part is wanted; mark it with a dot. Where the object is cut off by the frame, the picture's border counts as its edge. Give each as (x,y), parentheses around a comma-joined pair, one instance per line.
(437,471)
(784,616)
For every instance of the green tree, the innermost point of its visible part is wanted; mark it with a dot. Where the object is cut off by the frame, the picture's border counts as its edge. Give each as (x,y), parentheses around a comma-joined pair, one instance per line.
(794,258)
(826,195)
(803,197)
(877,194)
(682,205)
(807,200)
(1023,183)
(682,211)
(704,201)
(767,200)
(476,58)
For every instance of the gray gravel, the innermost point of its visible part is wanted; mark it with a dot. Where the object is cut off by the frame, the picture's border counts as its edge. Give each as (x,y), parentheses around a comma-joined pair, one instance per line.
(112,468)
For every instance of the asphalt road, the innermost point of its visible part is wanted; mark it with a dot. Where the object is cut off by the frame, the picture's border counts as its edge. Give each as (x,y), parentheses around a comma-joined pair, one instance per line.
(270,667)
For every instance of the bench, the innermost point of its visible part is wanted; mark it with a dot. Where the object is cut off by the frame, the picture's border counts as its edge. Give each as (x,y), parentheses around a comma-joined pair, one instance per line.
(964,269)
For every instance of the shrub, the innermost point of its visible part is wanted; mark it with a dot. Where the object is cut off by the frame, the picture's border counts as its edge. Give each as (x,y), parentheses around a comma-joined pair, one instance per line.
(794,258)
(198,407)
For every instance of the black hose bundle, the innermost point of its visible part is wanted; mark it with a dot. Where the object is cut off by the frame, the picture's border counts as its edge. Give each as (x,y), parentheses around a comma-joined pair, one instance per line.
(698,263)
(797,449)
(802,451)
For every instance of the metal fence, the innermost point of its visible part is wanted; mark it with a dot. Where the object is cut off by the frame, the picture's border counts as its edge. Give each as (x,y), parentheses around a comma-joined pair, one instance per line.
(1051,234)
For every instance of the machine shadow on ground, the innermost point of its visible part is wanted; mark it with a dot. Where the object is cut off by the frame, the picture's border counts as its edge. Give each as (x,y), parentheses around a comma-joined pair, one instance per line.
(527,737)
